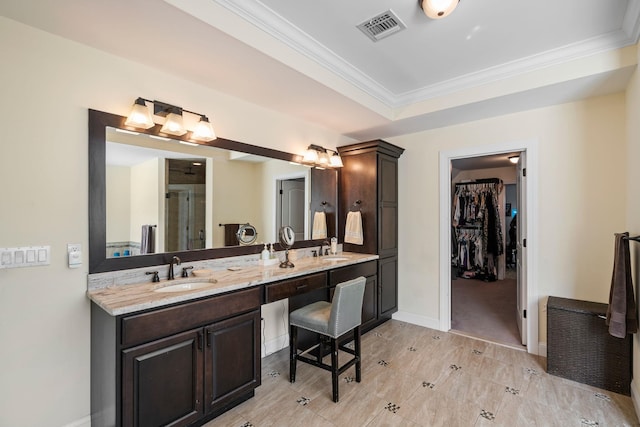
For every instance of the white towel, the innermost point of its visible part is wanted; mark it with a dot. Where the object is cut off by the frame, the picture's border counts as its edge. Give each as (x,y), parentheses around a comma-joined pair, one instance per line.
(319,226)
(353,229)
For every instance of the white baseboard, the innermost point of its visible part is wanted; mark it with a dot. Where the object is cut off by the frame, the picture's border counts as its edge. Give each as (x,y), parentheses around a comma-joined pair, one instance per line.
(275,344)
(416,319)
(542,349)
(82,422)
(635,397)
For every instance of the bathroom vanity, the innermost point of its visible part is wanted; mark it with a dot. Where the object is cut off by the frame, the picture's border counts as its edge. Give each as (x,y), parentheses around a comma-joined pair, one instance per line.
(185,356)
(182,358)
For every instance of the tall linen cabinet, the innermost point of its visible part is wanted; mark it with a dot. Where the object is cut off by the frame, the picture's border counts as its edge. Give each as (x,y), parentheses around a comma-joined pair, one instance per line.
(369,182)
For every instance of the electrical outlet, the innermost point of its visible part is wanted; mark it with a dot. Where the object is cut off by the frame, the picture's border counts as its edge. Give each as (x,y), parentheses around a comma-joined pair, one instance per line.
(74,255)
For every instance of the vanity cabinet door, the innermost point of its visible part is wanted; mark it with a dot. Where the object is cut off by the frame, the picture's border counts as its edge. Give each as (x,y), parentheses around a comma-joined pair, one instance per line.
(232,359)
(388,276)
(162,381)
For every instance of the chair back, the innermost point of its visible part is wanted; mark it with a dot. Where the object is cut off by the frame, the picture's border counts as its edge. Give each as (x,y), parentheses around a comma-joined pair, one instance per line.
(346,307)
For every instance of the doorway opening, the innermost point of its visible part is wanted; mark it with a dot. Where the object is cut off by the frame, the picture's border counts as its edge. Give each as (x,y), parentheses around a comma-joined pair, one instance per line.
(527,298)
(484,270)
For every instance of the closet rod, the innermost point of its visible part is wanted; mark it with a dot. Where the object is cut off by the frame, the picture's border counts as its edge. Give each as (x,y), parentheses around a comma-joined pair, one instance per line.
(481,181)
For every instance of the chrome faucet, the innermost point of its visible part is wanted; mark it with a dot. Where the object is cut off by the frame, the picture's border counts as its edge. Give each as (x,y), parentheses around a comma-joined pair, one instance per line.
(320,253)
(175,260)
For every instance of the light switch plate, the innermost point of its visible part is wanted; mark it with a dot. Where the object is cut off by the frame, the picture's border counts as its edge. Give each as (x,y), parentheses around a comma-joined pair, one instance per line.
(27,256)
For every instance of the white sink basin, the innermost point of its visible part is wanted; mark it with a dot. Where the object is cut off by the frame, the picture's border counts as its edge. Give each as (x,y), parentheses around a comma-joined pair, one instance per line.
(181,287)
(334,258)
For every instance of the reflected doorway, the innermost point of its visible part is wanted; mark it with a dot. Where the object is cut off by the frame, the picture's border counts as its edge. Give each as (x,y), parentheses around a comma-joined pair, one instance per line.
(290,200)
(185,204)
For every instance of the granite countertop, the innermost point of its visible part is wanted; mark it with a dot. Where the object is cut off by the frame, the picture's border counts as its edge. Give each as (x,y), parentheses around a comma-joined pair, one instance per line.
(124,299)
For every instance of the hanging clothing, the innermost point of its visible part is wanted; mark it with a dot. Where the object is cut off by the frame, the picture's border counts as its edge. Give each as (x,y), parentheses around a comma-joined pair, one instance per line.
(477,225)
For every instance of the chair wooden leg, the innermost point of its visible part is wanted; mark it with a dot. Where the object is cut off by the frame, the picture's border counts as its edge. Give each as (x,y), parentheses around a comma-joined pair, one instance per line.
(293,349)
(334,368)
(356,346)
(320,349)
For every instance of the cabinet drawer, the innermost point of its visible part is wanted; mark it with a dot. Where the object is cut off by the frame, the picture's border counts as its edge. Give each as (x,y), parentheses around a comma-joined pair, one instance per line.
(144,327)
(293,287)
(342,274)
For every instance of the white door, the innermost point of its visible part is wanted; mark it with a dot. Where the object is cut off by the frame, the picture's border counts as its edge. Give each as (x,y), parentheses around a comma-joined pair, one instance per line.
(521,247)
(291,206)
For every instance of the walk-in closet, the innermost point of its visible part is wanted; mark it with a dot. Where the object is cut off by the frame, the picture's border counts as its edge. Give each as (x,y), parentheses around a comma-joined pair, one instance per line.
(483,240)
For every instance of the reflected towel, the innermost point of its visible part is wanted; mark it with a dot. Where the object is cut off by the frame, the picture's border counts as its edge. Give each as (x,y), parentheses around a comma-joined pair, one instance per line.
(148,240)
(353,229)
(319,226)
(230,238)
(621,312)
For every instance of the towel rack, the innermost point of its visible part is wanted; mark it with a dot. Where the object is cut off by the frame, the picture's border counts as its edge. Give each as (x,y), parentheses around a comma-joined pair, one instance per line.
(635,239)
(356,205)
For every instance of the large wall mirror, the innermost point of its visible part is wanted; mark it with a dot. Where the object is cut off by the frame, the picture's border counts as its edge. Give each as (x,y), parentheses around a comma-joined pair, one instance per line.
(151,197)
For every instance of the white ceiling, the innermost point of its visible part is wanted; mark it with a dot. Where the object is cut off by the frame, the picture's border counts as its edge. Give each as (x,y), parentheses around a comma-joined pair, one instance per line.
(307,58)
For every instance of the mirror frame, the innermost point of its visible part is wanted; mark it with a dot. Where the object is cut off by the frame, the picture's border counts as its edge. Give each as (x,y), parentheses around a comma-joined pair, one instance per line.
(98,261)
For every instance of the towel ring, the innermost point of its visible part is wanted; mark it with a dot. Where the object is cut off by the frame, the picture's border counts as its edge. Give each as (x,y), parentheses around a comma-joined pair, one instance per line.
(356,205)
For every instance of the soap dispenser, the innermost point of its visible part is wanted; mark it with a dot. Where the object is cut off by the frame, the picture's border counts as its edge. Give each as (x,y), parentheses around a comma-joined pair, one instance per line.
(272,253)
(265,253)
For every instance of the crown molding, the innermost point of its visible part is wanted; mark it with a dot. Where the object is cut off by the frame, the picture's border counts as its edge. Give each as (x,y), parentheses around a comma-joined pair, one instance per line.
(284,31)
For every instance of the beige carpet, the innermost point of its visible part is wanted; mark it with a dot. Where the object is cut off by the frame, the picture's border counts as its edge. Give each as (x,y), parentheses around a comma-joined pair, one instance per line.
(485,310)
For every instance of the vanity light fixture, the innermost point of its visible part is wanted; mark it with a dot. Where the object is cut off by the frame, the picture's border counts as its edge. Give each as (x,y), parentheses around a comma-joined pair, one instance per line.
(438,9)
(335,161)
(174,125)
(203,130)
(320,158)
(514,159)
(311,155)
(141,117)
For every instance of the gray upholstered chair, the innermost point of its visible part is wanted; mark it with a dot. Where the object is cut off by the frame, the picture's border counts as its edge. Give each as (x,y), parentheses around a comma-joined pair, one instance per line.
(332,321)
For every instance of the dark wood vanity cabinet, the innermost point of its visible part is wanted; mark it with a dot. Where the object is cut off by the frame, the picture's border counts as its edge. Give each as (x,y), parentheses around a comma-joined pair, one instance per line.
(162,381)
(232,360)
(369,182)
(177,365)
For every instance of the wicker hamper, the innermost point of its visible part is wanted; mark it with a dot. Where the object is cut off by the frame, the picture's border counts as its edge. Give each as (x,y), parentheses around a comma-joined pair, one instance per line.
(580,348)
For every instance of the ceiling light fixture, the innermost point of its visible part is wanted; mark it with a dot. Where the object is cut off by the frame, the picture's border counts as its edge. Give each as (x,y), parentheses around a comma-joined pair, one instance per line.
(438,9)
(140,117)
(318,157)
(514,159)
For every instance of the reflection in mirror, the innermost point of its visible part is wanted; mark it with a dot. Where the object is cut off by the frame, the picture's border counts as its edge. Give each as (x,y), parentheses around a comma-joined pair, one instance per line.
(246,195)
(166,197)
(287,239)
(246,234)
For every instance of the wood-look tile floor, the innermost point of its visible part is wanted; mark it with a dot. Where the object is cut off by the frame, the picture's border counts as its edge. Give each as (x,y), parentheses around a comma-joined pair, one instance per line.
(414,376)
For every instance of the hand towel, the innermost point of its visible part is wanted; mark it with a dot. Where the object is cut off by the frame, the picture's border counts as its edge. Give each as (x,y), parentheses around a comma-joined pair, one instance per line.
(319,226)
(621,312)
(148,240)
(353,229)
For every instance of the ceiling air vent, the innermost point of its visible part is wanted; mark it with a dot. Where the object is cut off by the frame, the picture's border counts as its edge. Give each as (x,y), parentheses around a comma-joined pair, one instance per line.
(381,26)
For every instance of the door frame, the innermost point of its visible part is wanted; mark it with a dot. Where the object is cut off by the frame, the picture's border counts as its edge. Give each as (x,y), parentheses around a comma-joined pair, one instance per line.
(531,147)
